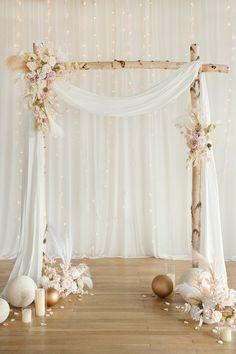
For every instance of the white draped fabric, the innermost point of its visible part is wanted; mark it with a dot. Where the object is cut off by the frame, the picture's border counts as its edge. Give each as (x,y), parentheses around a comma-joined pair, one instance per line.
(212,240)
(33,217)
(148,101)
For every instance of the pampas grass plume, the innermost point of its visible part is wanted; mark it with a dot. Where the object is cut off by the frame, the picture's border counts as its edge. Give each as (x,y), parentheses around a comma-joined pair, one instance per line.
(16,63)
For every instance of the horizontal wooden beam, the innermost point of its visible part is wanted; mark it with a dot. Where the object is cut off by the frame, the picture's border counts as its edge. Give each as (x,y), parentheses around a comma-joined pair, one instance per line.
(139,64)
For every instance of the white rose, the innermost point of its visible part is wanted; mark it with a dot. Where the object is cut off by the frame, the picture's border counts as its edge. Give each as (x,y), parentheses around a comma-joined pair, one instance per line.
(75,274)
(43,281)
(195,313)
(32,65)
(216,316)
(46,68)
(74,288)
(52,61)
(45,58)
(66,283)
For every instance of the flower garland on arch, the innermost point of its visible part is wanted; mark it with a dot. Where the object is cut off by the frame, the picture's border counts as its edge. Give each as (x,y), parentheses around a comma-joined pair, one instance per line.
(198,139)
(41,67)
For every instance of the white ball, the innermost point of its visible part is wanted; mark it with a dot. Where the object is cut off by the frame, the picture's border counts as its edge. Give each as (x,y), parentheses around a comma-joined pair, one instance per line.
(4,310)
(191,276)
(21,291)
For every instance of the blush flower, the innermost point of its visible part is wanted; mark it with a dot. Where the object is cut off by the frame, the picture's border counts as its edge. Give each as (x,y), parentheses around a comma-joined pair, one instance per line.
(193,142)
(46,68)
(51,77)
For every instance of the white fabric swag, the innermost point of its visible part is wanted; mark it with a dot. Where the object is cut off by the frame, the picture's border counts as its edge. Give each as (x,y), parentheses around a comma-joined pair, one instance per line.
(145,102)
(29,259)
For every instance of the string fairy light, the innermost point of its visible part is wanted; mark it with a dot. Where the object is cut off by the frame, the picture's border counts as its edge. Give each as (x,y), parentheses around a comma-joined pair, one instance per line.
(18,142)
(230,13)
(192,22)
(48,21)
(67,29)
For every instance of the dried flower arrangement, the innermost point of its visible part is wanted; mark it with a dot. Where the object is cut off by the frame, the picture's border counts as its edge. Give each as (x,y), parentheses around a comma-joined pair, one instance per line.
(208,298)
(198,138)
(66,278)
(40,69)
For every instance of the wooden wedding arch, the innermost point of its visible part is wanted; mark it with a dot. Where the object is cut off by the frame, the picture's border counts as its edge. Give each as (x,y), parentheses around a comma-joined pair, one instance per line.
(195,91)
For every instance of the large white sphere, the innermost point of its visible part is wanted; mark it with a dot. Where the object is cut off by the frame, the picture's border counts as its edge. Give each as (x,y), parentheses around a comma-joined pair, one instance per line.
(191,276)
(188,284)
(4,310)
(21,291)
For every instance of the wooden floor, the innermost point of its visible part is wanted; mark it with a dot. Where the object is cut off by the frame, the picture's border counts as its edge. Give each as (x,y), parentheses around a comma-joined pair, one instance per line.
(122,317)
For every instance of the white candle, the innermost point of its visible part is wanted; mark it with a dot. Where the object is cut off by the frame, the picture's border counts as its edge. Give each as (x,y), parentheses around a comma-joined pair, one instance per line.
(26,315)
(172,277)
(39,302)
(226,334)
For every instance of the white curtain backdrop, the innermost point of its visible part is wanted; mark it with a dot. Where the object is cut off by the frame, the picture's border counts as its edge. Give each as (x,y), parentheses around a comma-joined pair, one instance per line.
(118,187)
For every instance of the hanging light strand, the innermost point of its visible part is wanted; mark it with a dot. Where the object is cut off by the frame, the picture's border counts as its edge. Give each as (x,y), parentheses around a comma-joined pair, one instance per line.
(18,142)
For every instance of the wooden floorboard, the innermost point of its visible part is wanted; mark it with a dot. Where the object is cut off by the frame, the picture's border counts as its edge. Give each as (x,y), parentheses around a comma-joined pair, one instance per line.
(122,317)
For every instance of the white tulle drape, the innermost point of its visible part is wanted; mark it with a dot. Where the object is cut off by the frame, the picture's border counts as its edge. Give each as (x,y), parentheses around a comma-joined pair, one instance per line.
(33,211)
(124,200)
(145,102)
(212,239)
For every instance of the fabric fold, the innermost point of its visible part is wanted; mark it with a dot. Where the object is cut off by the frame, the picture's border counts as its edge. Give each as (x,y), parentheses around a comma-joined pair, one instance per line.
(147,101)
(33,212)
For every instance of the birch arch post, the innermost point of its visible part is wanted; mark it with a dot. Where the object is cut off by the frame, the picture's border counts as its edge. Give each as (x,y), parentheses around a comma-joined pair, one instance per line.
(195,98)
(196,169)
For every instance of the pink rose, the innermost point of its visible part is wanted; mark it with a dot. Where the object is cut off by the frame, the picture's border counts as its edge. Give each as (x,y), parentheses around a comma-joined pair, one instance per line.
(51,77)
(193,141)
(207,314)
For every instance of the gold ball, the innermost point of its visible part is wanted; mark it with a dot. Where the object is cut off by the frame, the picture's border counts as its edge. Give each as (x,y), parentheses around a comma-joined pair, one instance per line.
(52,296)
(162,285)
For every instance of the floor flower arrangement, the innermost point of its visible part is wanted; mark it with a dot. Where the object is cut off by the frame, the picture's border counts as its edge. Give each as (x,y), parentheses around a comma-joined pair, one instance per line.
(66,278)
(208,298)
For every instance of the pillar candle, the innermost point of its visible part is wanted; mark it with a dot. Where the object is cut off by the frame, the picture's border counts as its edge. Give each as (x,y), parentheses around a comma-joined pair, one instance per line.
(39,302)
(226,334)
(26,315)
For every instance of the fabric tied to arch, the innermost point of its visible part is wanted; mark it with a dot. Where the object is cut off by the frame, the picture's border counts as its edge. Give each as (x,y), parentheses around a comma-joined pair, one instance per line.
(147,101)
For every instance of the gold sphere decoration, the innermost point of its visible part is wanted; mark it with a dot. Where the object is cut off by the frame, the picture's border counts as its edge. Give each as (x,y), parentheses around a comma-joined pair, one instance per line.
(162,285)
(52,296)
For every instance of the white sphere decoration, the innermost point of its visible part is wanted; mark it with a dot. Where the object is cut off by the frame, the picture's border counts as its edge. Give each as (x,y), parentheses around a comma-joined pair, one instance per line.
(21,291)
(189,283)
(191,276)
(4,310)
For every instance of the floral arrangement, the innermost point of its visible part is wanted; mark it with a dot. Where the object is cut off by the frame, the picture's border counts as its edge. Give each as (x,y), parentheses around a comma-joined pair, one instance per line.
(198,138)
(66,278)
(209,300)
(40,70)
